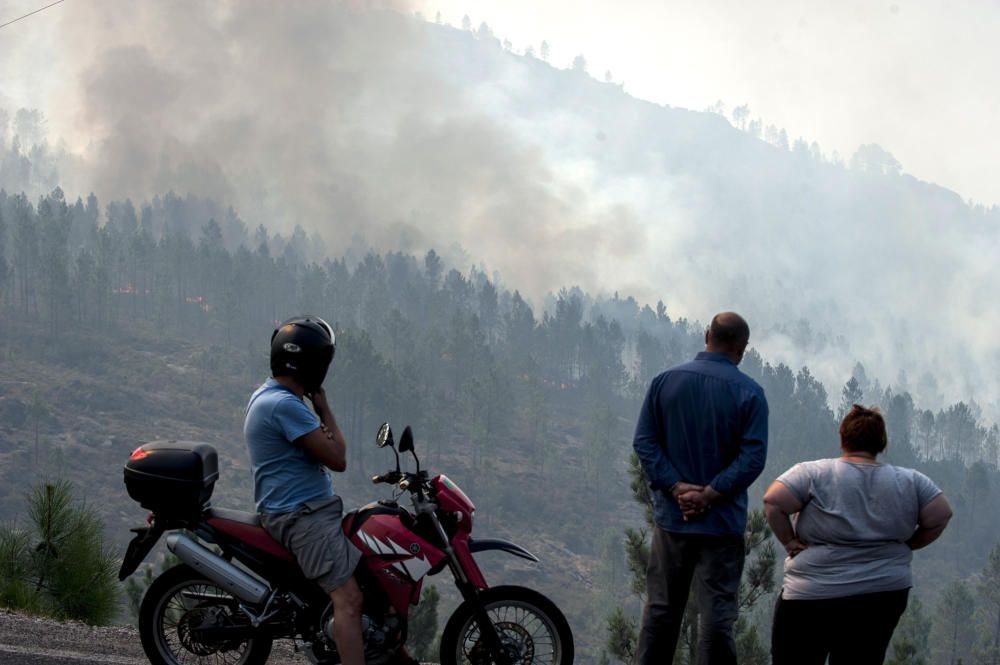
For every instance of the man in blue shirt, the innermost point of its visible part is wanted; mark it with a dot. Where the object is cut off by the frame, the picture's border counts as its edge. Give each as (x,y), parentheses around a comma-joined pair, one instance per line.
(291,448)
(702,440)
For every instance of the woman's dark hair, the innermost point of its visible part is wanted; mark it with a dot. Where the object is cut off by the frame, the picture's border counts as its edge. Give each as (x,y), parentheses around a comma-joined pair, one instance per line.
(863,430)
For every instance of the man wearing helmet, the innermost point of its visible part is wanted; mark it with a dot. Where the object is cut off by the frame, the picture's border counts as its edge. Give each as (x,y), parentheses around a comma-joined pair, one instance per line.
(291,447)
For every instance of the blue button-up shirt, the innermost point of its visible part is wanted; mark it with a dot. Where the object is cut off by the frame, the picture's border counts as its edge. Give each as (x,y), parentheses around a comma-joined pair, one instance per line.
(703,422)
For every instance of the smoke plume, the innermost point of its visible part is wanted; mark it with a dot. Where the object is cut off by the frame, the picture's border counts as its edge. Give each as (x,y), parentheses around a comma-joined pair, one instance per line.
(374,129)
(333,117)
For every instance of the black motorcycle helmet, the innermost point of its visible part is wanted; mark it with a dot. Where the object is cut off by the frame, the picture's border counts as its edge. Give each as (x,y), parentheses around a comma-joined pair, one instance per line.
(302,347)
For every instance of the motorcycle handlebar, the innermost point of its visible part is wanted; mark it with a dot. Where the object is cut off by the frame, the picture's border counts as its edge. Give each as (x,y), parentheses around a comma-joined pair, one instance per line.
(394,477)
(390,477)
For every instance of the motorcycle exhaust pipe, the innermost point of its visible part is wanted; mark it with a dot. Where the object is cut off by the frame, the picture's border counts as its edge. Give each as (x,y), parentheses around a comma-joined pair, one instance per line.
(242,585)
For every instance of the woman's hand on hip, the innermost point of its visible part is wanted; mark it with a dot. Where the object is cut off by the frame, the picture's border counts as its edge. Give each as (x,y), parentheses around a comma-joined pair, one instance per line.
(794,547)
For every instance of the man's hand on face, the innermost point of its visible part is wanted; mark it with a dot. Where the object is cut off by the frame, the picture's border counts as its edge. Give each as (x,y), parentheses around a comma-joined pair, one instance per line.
(318,398)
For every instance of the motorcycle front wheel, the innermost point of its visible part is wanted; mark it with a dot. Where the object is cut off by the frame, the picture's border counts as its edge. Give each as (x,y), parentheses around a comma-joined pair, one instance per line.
(180,602)
(531,628)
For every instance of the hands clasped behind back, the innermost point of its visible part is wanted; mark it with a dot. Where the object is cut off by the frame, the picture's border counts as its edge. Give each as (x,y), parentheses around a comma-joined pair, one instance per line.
(690,498)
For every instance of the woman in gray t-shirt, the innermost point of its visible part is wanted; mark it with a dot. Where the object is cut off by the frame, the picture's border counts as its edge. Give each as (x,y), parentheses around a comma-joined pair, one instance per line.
(849,526)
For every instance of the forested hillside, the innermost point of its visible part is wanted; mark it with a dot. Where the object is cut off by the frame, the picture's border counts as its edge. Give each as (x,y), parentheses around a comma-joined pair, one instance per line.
(509,251)
(123,323)
(377,129)
(843,257)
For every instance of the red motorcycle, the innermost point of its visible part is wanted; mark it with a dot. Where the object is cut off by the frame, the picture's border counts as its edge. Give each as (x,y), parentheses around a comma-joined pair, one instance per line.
(237,589)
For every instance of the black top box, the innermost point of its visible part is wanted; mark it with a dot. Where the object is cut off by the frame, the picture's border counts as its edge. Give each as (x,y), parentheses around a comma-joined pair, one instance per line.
(172,478)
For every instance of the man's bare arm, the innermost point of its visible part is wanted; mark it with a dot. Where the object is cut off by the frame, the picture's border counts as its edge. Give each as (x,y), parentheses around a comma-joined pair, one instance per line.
(326,443)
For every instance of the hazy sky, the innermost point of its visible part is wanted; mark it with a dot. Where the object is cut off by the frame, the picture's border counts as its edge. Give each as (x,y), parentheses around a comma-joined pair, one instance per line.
(918,78)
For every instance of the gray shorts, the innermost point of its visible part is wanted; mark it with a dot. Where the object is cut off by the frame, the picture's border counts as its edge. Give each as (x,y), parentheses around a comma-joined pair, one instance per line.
(314,535)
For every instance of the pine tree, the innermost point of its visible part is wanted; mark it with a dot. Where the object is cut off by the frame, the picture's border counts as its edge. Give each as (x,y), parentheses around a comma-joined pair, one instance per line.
(24,252)
(135,588)
(433,268)
(137,583)
(622,636)
(423,625)
(751,648)
(4,269)
(16,590)
(911,641)
(953,628)
(61,566)
(758,581)
(849,396)
(988,649)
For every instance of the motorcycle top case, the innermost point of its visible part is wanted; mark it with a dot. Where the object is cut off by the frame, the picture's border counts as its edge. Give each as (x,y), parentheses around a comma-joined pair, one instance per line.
(172,477)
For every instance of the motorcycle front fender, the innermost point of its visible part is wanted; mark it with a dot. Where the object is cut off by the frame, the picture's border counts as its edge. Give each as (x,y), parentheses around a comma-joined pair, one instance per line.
(139,548)
(485,544)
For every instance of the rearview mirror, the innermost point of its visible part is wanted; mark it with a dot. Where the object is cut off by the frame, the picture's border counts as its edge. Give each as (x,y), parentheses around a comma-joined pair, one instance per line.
(384,436)
(406,441)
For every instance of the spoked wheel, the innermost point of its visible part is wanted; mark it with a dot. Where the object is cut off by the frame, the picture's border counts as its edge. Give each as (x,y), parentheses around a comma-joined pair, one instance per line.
(531,628)
(180,609)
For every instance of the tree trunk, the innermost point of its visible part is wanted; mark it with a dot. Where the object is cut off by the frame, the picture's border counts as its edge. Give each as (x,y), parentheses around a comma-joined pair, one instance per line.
(996,640)
(954,641)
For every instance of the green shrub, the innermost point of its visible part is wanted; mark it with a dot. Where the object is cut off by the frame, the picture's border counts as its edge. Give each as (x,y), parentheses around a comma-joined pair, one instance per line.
(423,626)
(60,566)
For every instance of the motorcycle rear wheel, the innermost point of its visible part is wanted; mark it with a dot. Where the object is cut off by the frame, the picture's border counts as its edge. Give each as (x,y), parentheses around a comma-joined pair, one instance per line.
(531,628)
(173,601)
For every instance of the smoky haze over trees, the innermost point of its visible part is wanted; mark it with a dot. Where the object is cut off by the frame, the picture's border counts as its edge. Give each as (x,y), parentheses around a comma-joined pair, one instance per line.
(128,321)
(374,129)
(250,163)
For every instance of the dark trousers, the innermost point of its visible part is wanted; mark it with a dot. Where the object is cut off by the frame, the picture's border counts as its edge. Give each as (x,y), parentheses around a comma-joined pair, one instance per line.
(714,564)
(854,630)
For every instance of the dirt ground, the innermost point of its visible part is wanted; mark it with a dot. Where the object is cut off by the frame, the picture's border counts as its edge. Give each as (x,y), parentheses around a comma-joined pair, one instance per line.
(27,639)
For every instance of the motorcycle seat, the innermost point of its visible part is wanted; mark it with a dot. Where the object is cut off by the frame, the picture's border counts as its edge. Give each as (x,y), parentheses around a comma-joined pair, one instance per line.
(246,528)
(251,519)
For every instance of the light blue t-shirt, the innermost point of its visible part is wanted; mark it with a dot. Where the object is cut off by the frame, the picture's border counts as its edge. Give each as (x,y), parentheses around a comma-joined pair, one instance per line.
(284,475)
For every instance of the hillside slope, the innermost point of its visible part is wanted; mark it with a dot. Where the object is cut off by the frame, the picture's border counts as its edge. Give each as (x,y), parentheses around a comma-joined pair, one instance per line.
(78,412)
(862,252)
(408,135)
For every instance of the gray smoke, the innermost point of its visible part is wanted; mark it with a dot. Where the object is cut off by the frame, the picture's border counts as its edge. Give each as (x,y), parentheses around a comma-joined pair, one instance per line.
(342,120)
(375,129)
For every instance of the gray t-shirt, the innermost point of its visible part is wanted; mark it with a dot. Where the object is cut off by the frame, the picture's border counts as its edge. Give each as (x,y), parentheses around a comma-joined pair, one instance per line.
(855,520)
